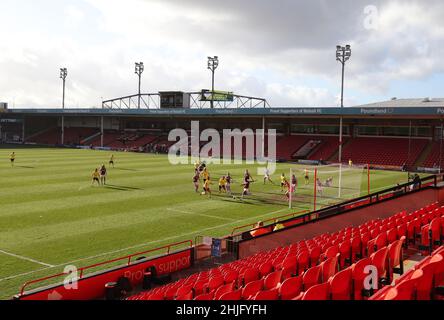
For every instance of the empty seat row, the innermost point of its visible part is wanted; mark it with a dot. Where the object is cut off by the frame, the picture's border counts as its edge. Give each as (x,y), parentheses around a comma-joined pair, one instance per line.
(303,259)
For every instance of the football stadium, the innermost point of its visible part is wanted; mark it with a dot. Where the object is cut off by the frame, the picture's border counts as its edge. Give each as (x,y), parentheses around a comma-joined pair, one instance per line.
(221,195)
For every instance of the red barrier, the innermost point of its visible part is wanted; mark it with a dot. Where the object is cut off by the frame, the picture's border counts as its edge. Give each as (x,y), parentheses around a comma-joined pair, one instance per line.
(92,287)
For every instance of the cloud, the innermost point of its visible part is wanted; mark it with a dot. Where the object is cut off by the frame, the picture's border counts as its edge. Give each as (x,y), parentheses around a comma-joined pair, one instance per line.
(281,50)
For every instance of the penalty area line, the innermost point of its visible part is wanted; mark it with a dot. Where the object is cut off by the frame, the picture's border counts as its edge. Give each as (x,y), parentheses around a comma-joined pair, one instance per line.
(200,214)
(26,258)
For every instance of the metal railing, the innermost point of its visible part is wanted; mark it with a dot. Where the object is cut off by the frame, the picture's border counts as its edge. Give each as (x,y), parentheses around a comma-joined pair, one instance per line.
(389,193)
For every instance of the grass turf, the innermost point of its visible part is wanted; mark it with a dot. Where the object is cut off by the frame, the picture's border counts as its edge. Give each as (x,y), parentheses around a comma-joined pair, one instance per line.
(51,216)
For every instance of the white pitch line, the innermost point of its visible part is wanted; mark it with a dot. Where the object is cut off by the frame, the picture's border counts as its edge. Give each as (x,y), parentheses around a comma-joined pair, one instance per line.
(200,214)
(24,274)
(26,258)
(143,244)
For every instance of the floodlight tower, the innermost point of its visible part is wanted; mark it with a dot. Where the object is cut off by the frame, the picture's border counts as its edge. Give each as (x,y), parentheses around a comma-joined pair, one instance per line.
(63,75)
(213,63)
(342,55)
(139,70)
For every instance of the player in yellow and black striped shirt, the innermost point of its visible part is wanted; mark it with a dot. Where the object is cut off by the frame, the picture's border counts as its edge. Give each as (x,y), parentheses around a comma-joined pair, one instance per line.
(12,158)
(95,177)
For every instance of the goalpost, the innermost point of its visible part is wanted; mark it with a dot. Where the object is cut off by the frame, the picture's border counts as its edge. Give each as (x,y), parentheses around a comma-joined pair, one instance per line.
(328,184)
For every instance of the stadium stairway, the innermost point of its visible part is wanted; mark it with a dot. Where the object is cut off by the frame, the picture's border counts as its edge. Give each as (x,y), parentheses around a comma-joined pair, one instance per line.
(32,137)
(432,159)
(425,154)
(328,147)
(328,266)
(288,145)
(425,281)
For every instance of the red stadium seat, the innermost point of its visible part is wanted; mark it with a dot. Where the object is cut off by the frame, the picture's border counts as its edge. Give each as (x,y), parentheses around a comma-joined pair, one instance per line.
(273,280)
(231,276)
(185,296)
(371,247)
(341,285)
(184,290)
(303,261)
(317,292)
(358,276)
(252,288)
(435,229)
(199,287)
(411,231)
(329,268)
(315,253)
(265,269)
(331,252)
(345,253)
(438,279)
(233,295)
(379,260)
(157,296)
(356,249)
(250,275)
(205,296)
(290,288)
(311,277)
(289,267)
(214,283)
(381,241)
(407,289)
(222,290)
(392,294)
(395,258)
(392,235)
(365,238)
(267,295)
(401,230)
(425,285)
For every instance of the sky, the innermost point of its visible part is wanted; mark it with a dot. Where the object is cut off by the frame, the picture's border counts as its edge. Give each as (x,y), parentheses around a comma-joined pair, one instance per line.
(281,50)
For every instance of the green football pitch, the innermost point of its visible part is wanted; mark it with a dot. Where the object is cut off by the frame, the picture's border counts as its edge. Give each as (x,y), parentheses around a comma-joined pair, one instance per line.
(51,216)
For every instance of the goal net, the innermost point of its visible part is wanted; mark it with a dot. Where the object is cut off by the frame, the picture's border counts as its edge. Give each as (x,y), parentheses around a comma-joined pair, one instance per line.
(327,185)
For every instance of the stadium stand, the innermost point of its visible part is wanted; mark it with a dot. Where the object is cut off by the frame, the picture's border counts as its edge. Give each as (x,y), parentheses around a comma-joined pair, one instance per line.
(288,145)
(127,141)
(91,136)
(383,151)
(72,136)
(328,266)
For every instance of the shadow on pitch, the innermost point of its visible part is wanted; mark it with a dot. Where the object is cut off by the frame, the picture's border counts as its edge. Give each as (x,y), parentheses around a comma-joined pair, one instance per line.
(122,188)
(26,167)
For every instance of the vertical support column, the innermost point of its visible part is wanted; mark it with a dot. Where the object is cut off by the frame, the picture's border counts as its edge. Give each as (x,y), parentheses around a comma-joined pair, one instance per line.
(315,188)
(263,137)
(101,131)
(340,140)
(368,178)
(23,130)
(290,198)
(63,130)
